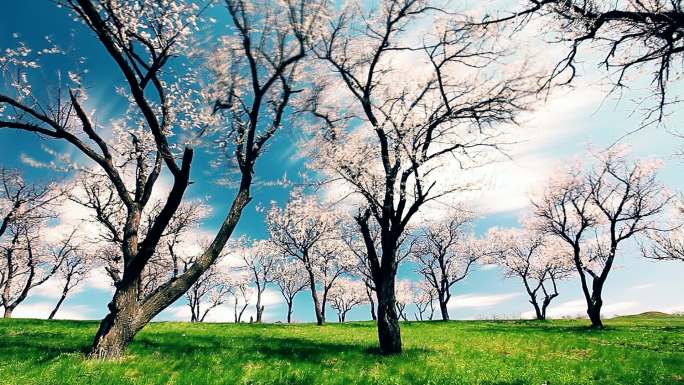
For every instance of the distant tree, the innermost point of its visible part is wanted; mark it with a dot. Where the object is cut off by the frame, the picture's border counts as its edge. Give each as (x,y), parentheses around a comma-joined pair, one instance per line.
(444,253)
(27,257)
(211,290)
(28,261)
(594,211)
(424,299)
(538,260)
(308,232)
(405,296)
(22,201)
(242,294)
(258,258)
(77,264)
(666,244)
(345,295)
(395,110)
(291,279)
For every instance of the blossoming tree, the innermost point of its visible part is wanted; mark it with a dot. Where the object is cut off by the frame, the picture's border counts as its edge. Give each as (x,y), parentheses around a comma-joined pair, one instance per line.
(345,295)
(291,279)
(211,290)
(75,268)
(308,232)
(27,257)
(384,140)
(596,210)
(152,46)
(634,38)
(258,258)
(444,253)
(535,258)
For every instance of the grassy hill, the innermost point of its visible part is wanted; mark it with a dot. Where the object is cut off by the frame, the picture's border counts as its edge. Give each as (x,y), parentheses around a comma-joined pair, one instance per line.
(632,350)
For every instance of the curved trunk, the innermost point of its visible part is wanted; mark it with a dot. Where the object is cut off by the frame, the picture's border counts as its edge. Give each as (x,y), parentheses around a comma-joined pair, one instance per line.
(539,314)
(58,305)
(389,333)
(119,327)
(594,313)
(320,318)
(545,305)
(595,302)
(371,304)
(443,308)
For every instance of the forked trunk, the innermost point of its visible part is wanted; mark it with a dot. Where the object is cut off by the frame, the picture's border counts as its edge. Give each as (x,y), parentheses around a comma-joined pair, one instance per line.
(538,313)
(594,303)
(594,313)
(389,333)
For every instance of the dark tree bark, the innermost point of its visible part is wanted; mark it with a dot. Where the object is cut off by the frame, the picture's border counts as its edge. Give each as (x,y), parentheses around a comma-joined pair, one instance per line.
(259,306)
(389,333)
(443,300)
(320,316)
(289,311)
(371,303)
(59,303)
(122,323)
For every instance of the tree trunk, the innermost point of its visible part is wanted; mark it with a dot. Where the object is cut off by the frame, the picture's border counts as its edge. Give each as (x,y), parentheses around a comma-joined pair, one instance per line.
(259,308)
(8,312)
(594,303)
(537,311)
(317,304)
(594,312)
(371,303)
(119,327)
(545,305)
(389,333)
(58,305)
(443,309)
(289,312)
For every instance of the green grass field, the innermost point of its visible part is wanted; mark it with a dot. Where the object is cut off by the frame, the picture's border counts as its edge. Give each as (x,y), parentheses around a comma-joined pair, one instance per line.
(646,349)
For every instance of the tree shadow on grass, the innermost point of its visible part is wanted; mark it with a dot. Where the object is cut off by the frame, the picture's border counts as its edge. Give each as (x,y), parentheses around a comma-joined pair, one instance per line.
(38,350)
(290,349)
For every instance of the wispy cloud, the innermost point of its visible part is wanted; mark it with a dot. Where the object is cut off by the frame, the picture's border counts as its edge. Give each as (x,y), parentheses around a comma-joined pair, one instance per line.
(477,301)
(642,286)
(42,310)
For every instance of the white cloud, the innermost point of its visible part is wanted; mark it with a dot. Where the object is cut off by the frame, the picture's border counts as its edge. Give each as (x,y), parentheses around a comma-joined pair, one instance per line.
(98,279)
(476,301)
(642,286)
(52,288)
(43,309)
(489,266)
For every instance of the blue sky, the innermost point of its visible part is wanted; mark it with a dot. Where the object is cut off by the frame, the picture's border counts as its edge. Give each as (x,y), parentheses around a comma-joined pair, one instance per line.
(559,131)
